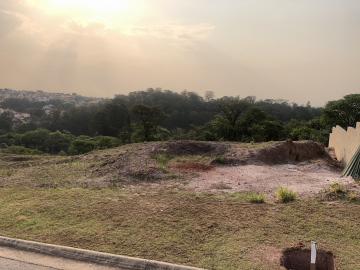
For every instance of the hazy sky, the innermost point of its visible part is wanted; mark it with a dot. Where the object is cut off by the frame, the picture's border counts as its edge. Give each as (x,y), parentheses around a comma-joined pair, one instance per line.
(298,50)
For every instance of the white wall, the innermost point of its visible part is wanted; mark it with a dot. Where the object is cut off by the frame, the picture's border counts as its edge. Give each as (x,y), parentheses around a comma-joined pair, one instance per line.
(345,142)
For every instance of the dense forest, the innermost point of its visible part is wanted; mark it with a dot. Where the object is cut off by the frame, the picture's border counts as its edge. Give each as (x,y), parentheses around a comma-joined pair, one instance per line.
(60,127)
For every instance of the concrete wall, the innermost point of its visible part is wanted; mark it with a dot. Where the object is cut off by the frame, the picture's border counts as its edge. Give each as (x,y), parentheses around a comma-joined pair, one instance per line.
(345,142)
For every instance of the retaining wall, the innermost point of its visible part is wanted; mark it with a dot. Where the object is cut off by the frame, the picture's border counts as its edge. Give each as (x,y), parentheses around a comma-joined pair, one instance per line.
(345,142)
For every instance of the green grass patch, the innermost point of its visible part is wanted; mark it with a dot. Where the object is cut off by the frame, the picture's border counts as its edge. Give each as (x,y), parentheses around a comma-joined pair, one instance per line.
(209,231)
(256,198)
(285,195)
(163,160)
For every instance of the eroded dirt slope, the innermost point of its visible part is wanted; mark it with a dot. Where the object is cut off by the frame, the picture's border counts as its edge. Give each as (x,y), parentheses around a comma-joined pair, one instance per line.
(303,166)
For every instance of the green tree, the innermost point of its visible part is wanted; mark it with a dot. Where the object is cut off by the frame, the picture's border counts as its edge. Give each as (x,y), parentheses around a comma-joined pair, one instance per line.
(36,139)
(344,112)
(82,145)
(112,119)
(227,122)
(6,122)
(148,120)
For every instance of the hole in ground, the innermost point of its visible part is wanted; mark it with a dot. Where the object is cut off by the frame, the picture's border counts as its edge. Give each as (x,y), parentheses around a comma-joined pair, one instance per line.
(299,259)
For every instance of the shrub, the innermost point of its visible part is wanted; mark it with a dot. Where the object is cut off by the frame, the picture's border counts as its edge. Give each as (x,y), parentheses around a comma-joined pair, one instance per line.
(337,188)
(256,198)
(284,195)
(163,160)
(336,191)
(105,142)
(20,150)
(81,146)
(221,160)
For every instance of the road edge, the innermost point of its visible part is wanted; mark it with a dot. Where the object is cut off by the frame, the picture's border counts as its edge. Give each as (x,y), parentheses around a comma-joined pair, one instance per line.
(105,259)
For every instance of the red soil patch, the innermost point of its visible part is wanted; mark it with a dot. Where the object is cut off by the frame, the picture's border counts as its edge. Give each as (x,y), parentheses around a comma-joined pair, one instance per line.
(193,166)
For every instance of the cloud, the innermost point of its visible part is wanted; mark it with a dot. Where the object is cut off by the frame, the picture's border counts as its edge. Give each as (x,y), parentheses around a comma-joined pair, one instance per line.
(175,31)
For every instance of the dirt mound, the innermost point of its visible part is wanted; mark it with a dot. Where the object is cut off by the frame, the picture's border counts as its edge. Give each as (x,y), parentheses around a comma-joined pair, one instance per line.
(183,148)
(158,160)
(285,152)
(128,164)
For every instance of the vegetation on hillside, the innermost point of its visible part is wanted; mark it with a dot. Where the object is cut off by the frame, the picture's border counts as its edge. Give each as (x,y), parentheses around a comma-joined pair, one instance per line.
(156,115)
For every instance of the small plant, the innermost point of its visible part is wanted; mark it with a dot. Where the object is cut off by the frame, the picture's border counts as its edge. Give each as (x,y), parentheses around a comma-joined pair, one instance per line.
(163,160)
(220,160)
(256,198)
(337,189)
(353,197)
(284,195)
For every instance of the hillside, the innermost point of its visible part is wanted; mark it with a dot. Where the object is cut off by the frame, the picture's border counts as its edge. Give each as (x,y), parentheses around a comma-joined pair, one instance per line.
(195,203)
(43,96)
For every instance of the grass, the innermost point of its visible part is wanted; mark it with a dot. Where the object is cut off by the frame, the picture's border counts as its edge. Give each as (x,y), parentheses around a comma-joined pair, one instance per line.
(285,195)
(337,191)
(203,230)
(41,200)
(42,171)
(256,198)
(163,160)
(337,188)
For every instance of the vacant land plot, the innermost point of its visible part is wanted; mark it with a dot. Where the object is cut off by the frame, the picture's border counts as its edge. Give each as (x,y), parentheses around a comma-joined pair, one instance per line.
(100,201)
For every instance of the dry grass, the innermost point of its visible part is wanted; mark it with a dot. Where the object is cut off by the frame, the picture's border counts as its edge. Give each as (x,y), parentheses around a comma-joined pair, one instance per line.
(42,199)
(210,231)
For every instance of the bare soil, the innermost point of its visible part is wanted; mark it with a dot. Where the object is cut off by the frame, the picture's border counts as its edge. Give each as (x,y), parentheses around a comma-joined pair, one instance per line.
(304,167)
(306,178)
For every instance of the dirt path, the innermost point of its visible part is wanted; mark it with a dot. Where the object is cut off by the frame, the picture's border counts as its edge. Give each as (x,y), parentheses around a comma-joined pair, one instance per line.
(305,178)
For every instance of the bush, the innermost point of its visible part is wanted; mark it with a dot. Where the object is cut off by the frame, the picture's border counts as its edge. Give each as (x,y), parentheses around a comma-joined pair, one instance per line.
(20,150)
(36,139)
(105,142)
(81,146)
(336,191)
(256,198)
(163,160)
(337,188)
(285,195)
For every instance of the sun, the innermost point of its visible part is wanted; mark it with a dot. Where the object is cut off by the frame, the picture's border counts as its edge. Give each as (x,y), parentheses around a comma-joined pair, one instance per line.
(89,10)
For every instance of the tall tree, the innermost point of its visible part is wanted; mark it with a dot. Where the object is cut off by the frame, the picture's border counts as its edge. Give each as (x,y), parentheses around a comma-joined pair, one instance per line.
(149,119)
(344,112)
(231,109)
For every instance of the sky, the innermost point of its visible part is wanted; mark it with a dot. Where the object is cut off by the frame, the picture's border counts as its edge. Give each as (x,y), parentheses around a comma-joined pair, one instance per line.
(298,50)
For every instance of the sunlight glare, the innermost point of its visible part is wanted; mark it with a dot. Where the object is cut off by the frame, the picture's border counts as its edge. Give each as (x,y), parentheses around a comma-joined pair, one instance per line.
(89,10)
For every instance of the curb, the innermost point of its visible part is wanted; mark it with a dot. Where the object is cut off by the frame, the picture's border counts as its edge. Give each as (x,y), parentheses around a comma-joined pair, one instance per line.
(106,259)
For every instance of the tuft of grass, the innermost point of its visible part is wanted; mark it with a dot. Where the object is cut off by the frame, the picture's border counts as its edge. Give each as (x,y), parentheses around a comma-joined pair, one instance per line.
(353,197)
(220,160)
(285,195)
(163,160)
(337,188)
(256,198)
(337,191)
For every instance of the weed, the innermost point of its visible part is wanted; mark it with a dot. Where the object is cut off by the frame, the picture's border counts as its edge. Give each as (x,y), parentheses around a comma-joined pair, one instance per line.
(337,188)
(163,160)
(284,195)
(256,198)
(220,160)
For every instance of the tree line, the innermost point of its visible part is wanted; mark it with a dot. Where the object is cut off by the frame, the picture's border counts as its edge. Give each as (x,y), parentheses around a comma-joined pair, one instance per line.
(157,114)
